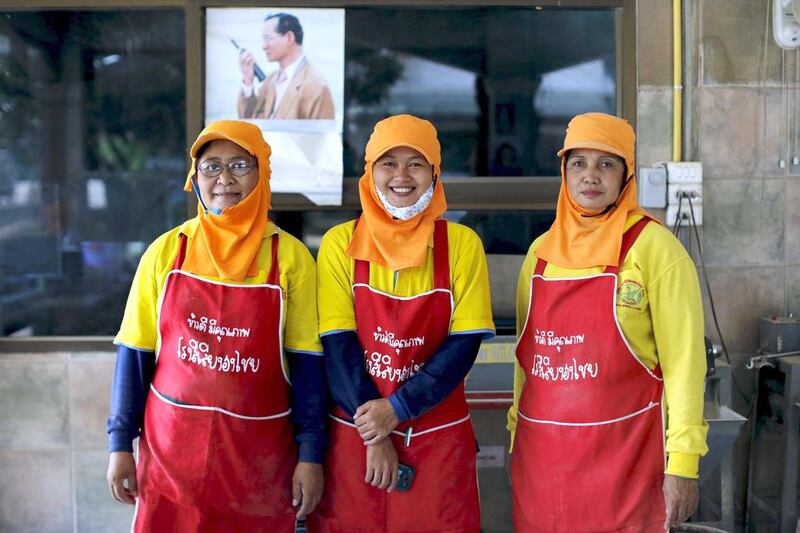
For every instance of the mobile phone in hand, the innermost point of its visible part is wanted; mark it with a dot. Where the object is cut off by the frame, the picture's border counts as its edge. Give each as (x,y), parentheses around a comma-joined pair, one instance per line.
(259,74)
(405,476)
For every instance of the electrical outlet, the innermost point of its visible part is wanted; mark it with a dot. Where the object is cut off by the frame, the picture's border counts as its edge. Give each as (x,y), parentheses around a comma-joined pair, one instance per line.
(693,192)
(684,172)
(686,216)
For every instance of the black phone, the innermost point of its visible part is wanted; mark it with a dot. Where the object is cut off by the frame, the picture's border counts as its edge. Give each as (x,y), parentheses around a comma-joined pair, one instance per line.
(256,69)
(405,476)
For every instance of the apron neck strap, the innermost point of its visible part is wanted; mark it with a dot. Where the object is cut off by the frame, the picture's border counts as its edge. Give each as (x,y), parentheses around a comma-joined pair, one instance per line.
(361,274)
(628,238)
(541,264)
(181,253)
(441,256)
(274,277)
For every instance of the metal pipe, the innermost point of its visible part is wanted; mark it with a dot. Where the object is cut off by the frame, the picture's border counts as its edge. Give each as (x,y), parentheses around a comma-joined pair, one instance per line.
(677,80)
(761,360)
(688,80)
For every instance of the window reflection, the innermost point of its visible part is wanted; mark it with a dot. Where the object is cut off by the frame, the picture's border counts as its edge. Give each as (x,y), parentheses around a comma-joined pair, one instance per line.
(500,84)
(92,137)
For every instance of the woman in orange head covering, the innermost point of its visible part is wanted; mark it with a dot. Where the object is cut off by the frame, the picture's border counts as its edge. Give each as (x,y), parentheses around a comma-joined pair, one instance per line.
(403,298)
(221,312)
(610,345)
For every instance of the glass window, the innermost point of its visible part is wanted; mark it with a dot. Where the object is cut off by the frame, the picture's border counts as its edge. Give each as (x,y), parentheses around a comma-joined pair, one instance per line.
(92,145)
(92,151)
(500,84)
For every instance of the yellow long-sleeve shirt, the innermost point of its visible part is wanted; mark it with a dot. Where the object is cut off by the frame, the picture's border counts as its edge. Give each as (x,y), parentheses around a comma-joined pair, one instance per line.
(659,308)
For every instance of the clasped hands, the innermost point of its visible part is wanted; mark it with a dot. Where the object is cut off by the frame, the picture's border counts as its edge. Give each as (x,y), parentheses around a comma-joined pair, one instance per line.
(375,420)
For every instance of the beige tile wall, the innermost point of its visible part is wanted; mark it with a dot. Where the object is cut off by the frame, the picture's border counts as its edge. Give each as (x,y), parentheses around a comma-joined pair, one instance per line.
(732,46)
(744,222)
(744,124)
(53,458)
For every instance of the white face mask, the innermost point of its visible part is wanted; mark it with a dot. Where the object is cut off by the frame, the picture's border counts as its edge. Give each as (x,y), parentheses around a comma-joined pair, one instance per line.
(406,213)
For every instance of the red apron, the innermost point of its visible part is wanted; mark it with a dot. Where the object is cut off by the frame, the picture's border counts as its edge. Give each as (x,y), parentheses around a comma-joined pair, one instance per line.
(217,450)
(589,448)
(398,335)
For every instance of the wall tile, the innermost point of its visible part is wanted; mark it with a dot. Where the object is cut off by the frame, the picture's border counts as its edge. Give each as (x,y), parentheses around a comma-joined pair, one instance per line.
(33,402)
(743,222)
(729,131)
(771,142)
(734,33)
(793,221)
(793,291)
(791,111)
(741,296)
(35,492)
(98,512)
(781,141)
(653,125)
(490,432)
(90,376)
(654,43)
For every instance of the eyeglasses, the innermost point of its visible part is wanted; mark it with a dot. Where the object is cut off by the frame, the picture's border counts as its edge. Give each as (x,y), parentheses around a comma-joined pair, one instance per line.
(237,168)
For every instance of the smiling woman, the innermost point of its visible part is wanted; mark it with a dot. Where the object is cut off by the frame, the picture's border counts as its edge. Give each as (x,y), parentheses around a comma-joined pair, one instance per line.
(227,174)
(230,290)
(402,176)
(403,299)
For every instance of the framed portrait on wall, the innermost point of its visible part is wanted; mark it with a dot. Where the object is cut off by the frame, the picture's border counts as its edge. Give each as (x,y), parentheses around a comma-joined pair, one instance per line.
(283,69)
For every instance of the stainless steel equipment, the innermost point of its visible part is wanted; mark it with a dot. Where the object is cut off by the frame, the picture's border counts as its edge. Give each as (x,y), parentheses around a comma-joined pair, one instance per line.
(779,334)
(775,446)
(774,441)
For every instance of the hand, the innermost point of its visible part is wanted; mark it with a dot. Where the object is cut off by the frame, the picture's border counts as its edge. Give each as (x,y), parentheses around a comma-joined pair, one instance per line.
(382,465)
(122,469)
(375,420)
(681,497)
(247,63)
(307,484)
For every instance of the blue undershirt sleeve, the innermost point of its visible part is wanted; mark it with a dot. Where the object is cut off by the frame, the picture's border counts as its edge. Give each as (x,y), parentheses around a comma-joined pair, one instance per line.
(439,377)
(132,376)
(309,405)
(350,386)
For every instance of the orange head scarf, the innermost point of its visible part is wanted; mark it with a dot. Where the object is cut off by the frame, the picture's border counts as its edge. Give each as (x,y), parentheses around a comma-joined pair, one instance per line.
(226,245)
(580,238)
(379,237)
